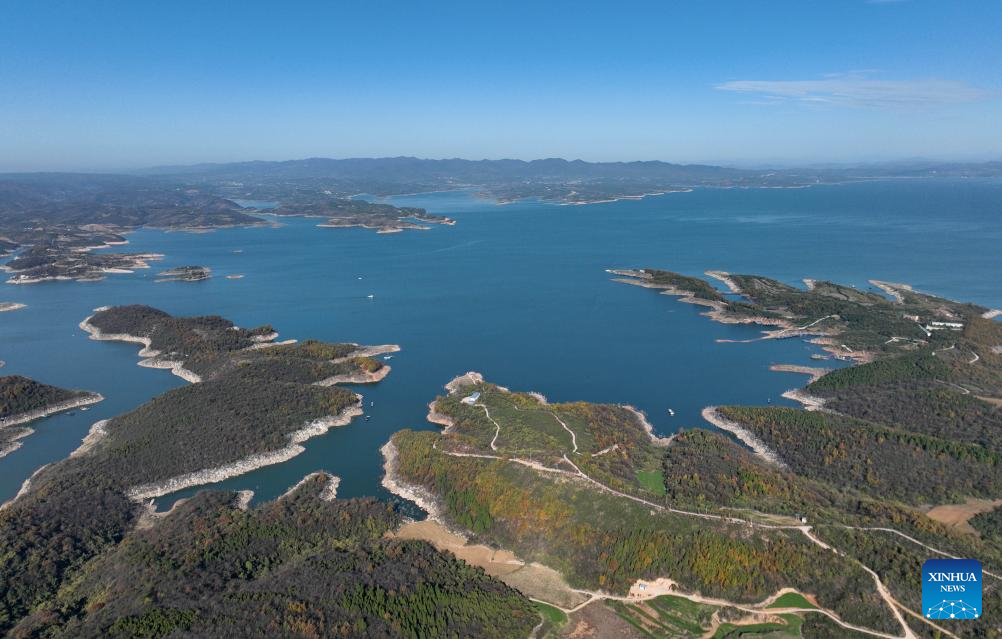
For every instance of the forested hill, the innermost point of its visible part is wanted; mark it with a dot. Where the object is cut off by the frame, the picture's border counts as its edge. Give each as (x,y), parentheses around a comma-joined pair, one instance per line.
(301,566)
(413,169)
(84,558)
(19,395)
(897,457)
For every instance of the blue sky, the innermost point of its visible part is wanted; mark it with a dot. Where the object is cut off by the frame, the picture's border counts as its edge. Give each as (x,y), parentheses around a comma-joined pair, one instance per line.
(107,85)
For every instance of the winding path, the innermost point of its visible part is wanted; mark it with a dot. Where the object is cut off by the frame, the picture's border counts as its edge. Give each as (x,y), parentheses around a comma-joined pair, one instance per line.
(497,427)
(896,606)
(574,438)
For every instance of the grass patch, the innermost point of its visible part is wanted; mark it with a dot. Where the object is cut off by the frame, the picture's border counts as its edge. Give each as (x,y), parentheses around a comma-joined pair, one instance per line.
(789,629)
(792,600)
(653,481)
(551,614)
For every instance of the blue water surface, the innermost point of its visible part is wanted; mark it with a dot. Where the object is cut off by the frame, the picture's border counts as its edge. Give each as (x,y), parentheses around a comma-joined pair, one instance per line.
(518,292)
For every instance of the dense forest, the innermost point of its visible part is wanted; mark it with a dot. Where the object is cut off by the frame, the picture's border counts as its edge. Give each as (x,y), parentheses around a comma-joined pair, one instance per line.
(209,424)
(177,337)
(214,348)
(872,458)
(20,395)
(75,513)
(298,567)
(989,524)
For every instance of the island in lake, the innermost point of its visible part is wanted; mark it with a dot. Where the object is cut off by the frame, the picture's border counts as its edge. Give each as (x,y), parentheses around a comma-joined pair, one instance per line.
(24,400)
(185,274)
(91,557)
(347,213)
(52,223)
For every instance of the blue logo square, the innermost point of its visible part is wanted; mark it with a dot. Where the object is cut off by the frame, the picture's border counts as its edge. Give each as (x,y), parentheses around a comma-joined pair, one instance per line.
(951,589)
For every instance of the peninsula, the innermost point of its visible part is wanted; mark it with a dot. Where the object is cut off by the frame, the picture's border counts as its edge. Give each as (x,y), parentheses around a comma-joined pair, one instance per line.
(896,458)
(24,400)
(91,559)
(583,490)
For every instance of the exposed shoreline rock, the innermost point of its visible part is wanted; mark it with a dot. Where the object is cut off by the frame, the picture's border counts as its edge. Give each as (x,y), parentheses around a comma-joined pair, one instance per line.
(247,464)
(150,354)
(713,416)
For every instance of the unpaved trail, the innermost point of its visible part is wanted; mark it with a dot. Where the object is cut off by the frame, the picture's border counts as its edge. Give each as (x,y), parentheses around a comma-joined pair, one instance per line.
(497,427)
(574,438)
(895,606)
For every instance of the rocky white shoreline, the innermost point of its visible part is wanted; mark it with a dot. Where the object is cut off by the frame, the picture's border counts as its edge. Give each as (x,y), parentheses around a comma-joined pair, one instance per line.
(815,372)
(808,401)
(25,486)
(13,441)
(329,492)
(368,351)
(411,492)
(364,377)
(23,418)
(711,415)
(96,433)
(642,418)
(470,378)
(800,395)
(151,355)
(13,422)
(725,278)
(718,310)
(247,464)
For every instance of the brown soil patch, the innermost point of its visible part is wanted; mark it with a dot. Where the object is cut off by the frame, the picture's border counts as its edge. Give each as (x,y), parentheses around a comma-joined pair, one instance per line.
(995,401)
(957,516)
(596,621)
(494,562)
(533,580)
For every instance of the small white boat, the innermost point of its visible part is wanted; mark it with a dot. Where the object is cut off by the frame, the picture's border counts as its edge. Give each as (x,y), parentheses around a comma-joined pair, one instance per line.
(671,412)
(84,408)
(387,357)
(371,296)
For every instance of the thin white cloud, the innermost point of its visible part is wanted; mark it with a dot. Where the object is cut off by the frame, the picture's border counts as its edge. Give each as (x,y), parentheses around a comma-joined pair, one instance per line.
(857,89)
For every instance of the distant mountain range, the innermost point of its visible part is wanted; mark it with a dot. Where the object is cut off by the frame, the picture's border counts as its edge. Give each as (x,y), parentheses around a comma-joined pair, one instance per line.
(474,171)
(48,206)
